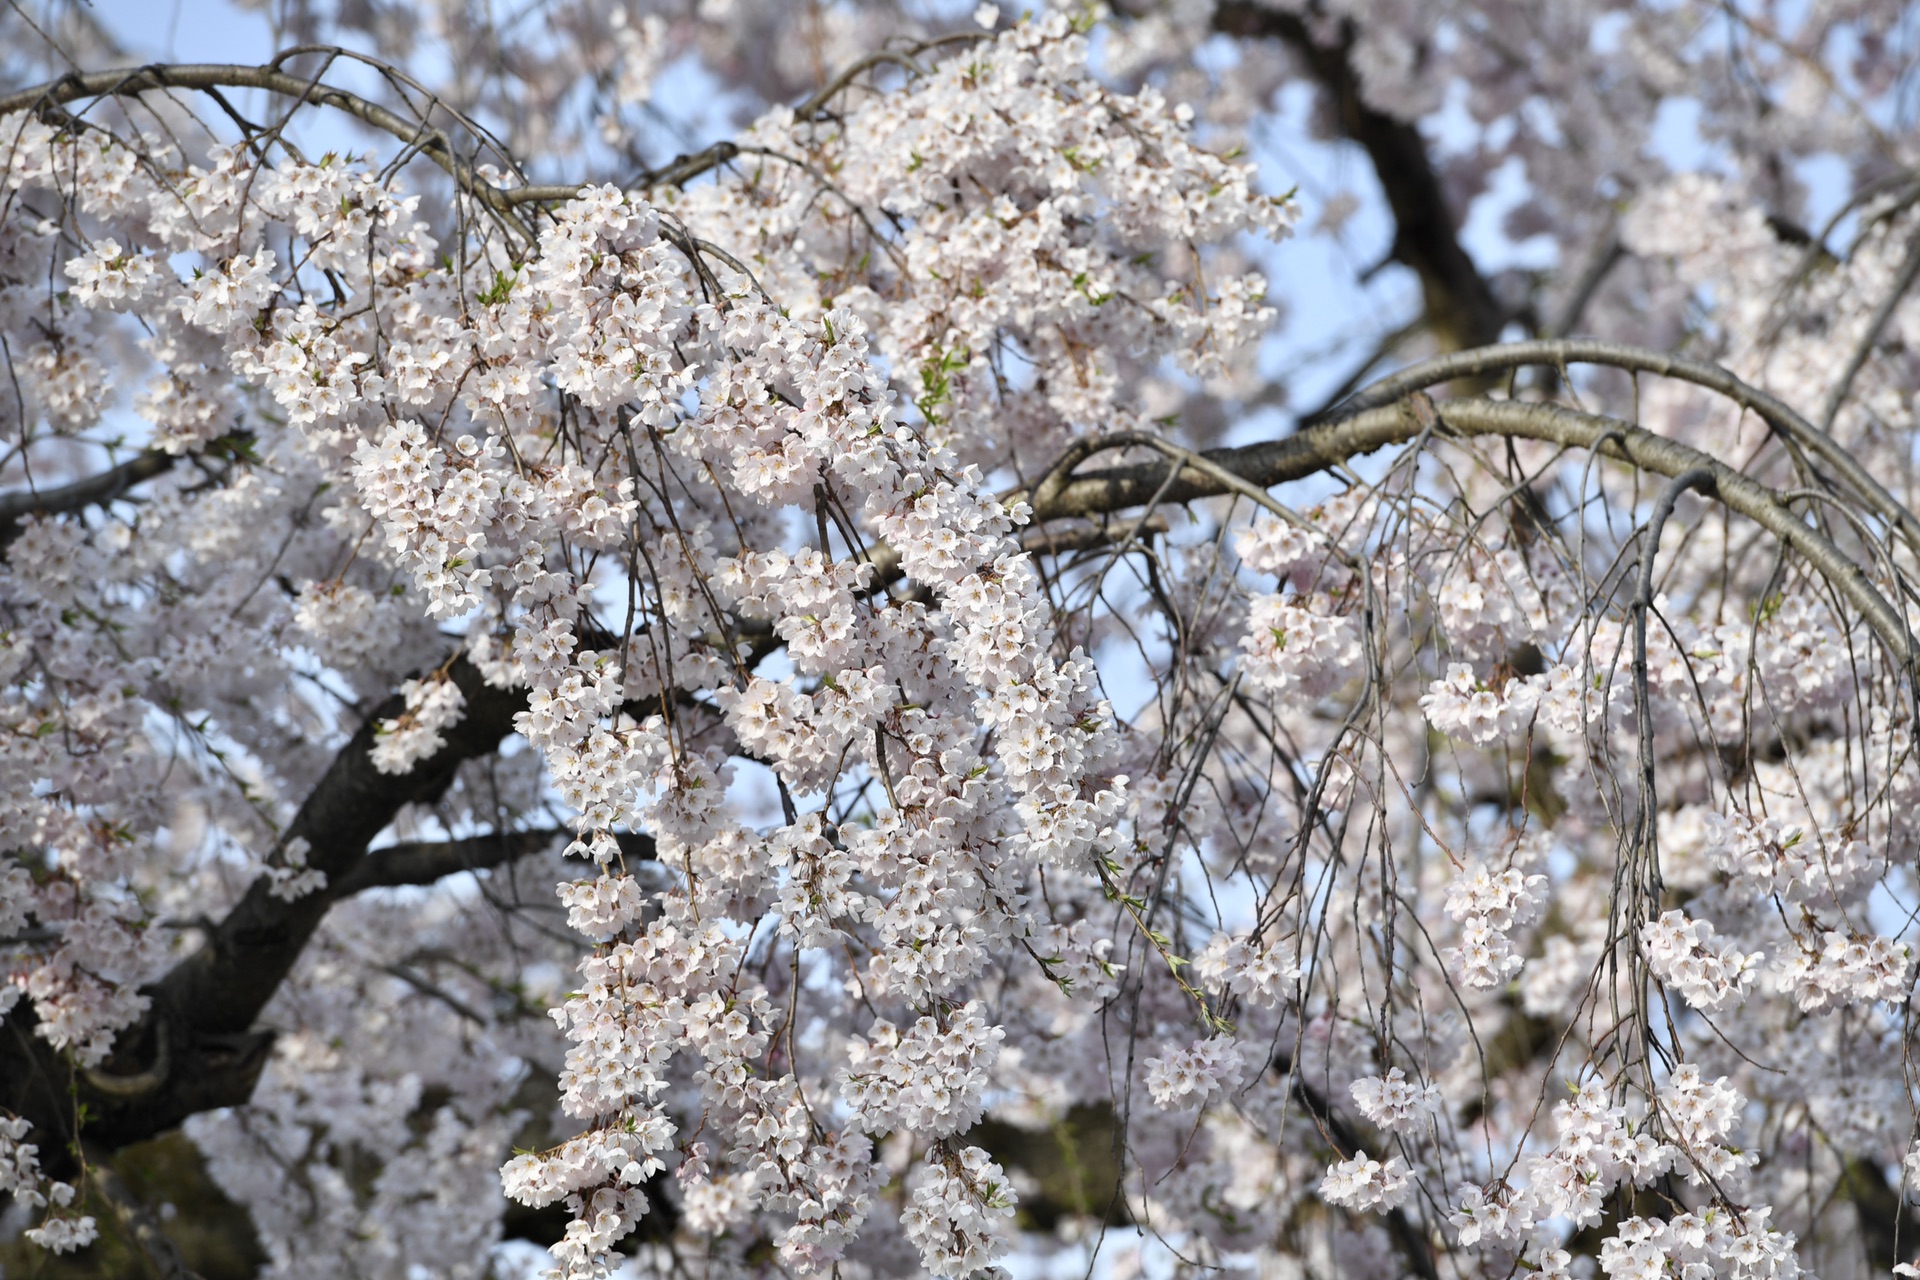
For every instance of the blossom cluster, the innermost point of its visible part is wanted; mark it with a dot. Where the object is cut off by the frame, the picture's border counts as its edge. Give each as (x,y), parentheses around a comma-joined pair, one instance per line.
(1462,705)
(1839,967)
(718,491)
(1300,647)
(1714,1242)
(1489,905)
(1360,1182)
(1600,1146)
(1774,856)
(21,1179)
(1708,972)
(1263,975)
(1188,1077)
(928,1080)
(959,1213)
(1394,1102)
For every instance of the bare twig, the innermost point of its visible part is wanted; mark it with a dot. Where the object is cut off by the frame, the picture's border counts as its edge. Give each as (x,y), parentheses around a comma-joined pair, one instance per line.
(1836,398)
(135,1219)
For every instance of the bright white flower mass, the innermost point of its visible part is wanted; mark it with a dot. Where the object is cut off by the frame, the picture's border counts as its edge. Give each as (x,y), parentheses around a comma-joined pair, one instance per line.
(1364,1183)
(906,693)
(1709,974)
(1489,905)
(1187,1077)
(1393,1102)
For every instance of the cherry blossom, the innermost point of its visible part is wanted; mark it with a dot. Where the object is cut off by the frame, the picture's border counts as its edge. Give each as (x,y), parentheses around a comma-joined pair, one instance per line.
(910,692)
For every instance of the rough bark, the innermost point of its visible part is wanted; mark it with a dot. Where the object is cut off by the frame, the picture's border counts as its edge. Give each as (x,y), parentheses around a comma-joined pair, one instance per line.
(198,1048)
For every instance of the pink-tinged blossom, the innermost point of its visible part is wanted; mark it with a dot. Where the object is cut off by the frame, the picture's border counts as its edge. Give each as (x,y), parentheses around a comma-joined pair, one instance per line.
(432,705)
(959,1213)
(1299,646)
(1829,969)
(1489,905)
(1394,1103)
(1363,1183)
(898,790)
(1708,972)
(1188,1077)
(1263,974)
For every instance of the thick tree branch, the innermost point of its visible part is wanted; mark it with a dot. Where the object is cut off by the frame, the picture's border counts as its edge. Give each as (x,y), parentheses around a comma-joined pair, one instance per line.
(1878,1207)
(223,986)
(1776,413)
(1460,306)
(1322,447)
(196,1050)
(418,862)
(110,485)
(95,490)
(1073,1163)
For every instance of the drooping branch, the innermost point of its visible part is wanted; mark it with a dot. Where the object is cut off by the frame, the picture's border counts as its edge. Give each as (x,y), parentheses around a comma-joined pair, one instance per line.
(197,1049)
(419,134)
(156,77)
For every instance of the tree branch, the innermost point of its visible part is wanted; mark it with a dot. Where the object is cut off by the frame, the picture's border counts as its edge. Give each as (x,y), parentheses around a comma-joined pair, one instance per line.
(1776,413)
(416,862)
(93,491)
(1878,1207)
(425,137)
(223,986)
(1460,305)
(157,77)
(1330,444)
(196,1050)
(418,133)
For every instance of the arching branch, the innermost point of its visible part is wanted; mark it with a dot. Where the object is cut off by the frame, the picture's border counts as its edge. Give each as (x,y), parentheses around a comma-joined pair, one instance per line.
(1329,445)
(1775,412)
